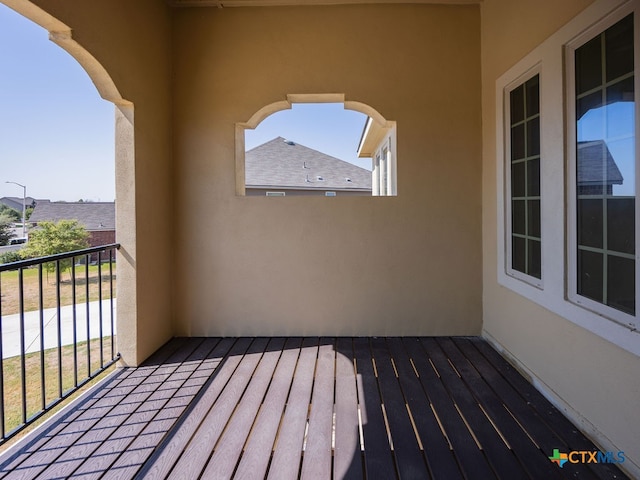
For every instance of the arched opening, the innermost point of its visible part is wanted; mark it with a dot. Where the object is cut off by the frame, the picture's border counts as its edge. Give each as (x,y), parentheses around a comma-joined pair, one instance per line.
(61,34)
(281,167)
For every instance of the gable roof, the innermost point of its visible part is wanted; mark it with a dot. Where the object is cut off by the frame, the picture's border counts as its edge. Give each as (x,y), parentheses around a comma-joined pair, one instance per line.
(92,216)
(280,163)
(16,202)
(591,167)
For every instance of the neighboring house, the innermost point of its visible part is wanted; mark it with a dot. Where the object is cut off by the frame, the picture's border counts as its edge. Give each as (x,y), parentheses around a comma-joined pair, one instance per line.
(98,218)
(16,202)
(378,142)
(282,167)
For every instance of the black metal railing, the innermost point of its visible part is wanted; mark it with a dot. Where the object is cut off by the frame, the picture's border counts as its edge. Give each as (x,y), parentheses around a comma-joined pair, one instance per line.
(57,330)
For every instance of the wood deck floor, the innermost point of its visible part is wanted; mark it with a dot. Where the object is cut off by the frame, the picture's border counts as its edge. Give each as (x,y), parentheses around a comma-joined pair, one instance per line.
(315,408)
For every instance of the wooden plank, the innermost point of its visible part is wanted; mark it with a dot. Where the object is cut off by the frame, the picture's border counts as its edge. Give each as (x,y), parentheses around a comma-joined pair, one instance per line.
(378,458)
(91,440)
(75,430)
(316,462)
(195,455)
(12,458)
(347,463)
(535,462)
(288,448)
(122,377)
(167,454)
(226,455)
(500,457)
(409,458)
(549,415)
(257,454)
(98,462)
(440,458)
(471,460)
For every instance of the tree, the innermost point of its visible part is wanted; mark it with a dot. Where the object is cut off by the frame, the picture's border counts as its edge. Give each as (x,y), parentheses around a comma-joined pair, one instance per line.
(6,232)
(11,213)
(51,238)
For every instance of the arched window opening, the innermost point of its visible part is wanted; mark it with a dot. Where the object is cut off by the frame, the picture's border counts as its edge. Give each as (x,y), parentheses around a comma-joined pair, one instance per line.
(316,145)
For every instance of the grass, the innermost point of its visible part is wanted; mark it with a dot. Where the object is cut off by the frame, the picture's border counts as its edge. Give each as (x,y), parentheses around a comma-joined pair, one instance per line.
(9,288)
(71,376)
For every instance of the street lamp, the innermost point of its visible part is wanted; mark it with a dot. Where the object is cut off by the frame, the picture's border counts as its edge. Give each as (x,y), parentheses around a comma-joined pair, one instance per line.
(24,208)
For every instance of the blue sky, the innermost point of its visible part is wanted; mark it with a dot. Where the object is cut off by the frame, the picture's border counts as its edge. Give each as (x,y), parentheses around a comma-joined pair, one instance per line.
(57,134)
(326,127)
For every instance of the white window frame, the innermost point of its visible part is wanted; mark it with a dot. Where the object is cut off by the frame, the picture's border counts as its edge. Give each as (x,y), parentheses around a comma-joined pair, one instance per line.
(549,59)
(536,282)
(572,241)
(385,165)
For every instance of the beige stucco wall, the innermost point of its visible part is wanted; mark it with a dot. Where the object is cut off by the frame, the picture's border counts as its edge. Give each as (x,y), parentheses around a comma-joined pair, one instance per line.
(125,46)
(338,266)
(597,379)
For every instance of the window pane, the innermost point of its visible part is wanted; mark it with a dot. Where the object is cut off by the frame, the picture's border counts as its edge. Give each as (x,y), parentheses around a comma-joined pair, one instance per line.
(594,124)
(590,218)
(517,142)
(621,225)
(518,179)
(534,258)
(619,48)
(533,218)
(533,96)
(590,277)
(525,177)
(588,66)
(517,105)
(518,224)
(533,178)
(621,170)
(533,137)
(619,111)
(606,166)
(518,254)
(621,285)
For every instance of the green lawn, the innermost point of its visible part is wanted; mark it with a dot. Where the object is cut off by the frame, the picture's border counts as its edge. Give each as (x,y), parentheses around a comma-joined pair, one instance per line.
(9,288)
(13,379)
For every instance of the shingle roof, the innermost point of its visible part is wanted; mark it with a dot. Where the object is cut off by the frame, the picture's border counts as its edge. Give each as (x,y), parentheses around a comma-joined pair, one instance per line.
(92,215)
(591,167)
(16,202)
(285,164)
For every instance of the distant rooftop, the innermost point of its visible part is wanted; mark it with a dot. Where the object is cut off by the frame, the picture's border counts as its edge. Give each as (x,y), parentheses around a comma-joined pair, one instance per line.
(92,216)
(16,202)
(591,169)
(281,163)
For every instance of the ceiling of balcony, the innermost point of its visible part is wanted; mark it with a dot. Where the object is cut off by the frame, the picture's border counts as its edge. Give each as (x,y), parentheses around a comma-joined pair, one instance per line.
(266,3)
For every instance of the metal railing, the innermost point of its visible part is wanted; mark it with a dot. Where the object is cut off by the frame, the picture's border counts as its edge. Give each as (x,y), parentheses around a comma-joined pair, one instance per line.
(56,334)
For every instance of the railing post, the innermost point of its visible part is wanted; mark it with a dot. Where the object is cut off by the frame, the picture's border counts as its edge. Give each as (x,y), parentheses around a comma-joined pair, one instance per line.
(23,363)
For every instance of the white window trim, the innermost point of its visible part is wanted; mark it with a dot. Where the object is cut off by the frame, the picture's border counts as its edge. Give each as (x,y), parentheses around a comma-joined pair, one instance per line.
(572,268)
(385,164)
(536,282)
(548,57)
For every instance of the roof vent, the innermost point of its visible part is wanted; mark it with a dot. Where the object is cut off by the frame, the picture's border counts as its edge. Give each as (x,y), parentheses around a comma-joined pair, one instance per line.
(348,179)
(320,178)
(289,142)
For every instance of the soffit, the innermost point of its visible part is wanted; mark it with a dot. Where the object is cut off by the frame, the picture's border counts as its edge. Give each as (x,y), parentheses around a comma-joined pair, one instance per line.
(271,3)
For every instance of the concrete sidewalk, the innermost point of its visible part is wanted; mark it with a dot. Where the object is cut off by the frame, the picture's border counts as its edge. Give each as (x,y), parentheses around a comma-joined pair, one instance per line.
(11,326)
